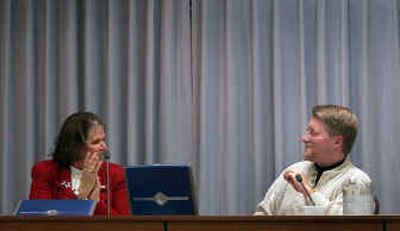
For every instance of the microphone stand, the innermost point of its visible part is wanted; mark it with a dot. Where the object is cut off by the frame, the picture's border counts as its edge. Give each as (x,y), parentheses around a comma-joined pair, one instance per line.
(107,158)
(108,189)
(300,180)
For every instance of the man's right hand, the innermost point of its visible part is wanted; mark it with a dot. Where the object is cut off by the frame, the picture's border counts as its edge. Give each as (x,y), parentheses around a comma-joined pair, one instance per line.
(290,177)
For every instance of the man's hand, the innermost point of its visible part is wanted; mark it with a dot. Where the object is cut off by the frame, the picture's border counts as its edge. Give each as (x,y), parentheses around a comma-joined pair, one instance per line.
(290,176)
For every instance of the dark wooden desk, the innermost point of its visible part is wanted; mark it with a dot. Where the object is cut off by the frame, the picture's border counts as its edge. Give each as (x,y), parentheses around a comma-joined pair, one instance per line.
(277,223)
(79,224)
(392,223)
(204,223)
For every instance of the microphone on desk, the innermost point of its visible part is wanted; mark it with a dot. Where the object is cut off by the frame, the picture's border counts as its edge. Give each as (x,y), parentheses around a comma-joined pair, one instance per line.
(106,157)
(300,180)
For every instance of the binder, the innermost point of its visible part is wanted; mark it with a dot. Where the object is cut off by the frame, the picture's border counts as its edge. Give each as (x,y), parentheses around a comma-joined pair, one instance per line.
(55,208)
(161,189)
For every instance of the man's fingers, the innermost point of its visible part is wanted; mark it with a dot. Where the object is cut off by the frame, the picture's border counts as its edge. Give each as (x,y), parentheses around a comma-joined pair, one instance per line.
(288,175)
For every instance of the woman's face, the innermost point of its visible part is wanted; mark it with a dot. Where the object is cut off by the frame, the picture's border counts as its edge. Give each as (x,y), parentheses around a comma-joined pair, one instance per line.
(96,140)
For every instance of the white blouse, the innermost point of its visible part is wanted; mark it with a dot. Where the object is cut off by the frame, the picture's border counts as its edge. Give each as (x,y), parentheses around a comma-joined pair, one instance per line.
(76,175)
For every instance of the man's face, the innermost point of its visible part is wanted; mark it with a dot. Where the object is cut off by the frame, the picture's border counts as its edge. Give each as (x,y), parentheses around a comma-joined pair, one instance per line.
(319,146)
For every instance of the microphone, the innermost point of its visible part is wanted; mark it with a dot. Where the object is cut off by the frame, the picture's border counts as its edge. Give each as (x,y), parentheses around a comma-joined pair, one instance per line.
(300,180)
(106,156)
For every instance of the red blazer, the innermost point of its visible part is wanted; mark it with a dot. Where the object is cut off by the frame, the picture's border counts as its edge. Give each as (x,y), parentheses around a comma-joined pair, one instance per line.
(50,181)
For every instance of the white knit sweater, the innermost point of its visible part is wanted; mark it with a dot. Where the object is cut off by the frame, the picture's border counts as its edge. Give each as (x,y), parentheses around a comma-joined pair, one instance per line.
(282,199)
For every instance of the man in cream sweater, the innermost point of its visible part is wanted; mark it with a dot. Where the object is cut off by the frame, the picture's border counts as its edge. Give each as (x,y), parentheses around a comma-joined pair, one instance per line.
(327,166)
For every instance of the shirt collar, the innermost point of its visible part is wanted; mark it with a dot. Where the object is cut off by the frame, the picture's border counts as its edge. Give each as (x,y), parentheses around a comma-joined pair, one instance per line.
(321,169)
(329,167)
(75,171)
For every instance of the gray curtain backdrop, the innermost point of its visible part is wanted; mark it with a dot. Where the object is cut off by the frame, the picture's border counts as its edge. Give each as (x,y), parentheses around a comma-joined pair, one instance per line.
(223,85)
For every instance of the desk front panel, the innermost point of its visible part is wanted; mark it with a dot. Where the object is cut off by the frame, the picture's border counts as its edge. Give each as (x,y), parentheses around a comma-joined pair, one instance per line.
(74,224)
(277,224)
(204,223)
(392,225)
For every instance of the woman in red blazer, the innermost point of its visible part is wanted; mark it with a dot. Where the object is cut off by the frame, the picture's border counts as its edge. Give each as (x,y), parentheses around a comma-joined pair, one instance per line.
(77,170)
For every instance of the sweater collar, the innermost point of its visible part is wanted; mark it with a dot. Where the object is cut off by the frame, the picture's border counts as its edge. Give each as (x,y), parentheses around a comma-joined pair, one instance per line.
(321,169)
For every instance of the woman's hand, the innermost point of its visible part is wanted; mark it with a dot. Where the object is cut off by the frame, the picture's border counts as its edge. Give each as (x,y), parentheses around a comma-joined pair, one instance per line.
(92,164)
(95,193)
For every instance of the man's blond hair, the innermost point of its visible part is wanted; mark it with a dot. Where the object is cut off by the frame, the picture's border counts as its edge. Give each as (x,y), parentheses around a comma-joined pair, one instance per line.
(339,121)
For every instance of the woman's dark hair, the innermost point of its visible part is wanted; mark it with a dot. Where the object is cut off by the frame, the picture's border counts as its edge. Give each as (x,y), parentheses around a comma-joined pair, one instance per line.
(73,134)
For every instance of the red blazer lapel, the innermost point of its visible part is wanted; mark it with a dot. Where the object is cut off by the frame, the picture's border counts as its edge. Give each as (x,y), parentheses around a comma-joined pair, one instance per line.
(64,185)
(102,177)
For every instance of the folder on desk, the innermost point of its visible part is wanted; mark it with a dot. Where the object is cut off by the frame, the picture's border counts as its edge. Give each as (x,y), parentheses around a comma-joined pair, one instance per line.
(55,208)
(161,189)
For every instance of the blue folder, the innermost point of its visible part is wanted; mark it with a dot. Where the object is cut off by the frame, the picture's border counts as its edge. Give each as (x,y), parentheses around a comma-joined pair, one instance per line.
(55,208)
(161,189)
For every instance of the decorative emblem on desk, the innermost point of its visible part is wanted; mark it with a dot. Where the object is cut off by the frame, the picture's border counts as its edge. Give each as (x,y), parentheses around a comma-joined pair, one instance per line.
(161,199)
